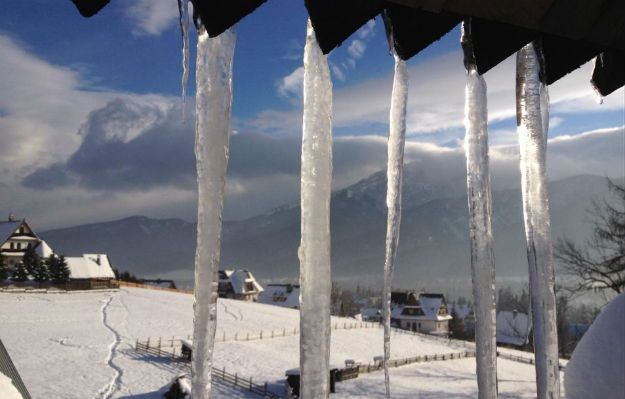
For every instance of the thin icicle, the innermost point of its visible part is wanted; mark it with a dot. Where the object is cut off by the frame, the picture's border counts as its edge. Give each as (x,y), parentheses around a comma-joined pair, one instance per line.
(532,121)
(481,233)
(212,134)
(394,171)
(314,250)
(183,8)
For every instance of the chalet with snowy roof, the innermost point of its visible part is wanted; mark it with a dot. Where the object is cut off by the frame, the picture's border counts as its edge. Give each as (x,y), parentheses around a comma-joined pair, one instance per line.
(91,271)
(285,295)
(238,284)
(426,313)
(17,237)
(513,328)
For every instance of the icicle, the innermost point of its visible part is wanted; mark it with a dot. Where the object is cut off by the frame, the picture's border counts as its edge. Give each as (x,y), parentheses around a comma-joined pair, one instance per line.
(395,166)
(183,8)
(314,250)
(212,133)
(532,121)
(479,197)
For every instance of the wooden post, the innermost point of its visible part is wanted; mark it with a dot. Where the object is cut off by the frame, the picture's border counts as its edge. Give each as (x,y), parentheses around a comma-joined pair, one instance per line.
(265,388)
(250,383)
(261,334)
(236,334)
(247,338)
(236,379)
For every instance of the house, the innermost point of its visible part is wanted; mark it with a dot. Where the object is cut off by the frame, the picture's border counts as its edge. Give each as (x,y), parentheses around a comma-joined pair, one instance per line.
(91,271)
(238,284)
(11,383)
(371,314)
(17,237)
(513,328)
(426,313)
(285,295)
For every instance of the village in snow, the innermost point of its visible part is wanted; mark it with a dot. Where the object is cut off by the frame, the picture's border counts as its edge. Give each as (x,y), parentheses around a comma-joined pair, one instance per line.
(308,136)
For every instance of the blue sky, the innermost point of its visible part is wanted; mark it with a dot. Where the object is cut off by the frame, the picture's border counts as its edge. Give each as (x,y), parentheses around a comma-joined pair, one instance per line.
(74,92)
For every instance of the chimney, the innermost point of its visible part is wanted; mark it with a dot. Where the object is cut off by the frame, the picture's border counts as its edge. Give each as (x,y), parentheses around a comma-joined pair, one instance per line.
(11,217)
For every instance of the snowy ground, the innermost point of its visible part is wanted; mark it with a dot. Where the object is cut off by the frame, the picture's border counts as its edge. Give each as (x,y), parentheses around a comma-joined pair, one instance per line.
(81,346)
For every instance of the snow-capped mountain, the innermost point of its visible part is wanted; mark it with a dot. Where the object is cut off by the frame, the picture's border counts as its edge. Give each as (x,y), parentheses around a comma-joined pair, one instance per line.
(433,242)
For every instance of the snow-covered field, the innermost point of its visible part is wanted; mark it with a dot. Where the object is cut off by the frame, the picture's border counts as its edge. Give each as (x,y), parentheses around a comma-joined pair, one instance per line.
(81,346)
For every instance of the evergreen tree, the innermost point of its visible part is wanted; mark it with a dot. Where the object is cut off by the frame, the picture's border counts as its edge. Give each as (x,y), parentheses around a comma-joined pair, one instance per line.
(59,271)
(4,269)
(40,272)
(20,273)
(31,261)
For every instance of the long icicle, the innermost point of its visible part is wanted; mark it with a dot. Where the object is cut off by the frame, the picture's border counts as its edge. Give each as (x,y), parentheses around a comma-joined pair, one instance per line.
(212,135)
(394,172)
(479,197)
(532,122)
(183,9)
(314,250)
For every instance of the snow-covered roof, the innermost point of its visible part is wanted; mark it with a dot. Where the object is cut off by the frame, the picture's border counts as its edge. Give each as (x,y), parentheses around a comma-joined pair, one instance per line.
(43,249)
(8,228)
(429,305)
(513,328)
(286,295)
(368,313)
(240,279)
(90,266)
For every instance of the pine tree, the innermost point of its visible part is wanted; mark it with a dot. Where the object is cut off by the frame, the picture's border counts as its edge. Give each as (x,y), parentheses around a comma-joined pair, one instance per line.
(59,271)
(31,261)
(20,273)
(40,272)
(4,269)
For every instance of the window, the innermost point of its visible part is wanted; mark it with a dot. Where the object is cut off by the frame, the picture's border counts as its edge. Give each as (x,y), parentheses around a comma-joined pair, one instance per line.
(249,286)
(22,230)
(12,245)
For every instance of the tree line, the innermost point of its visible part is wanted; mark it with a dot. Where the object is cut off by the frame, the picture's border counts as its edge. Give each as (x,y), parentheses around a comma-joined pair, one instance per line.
(51,269)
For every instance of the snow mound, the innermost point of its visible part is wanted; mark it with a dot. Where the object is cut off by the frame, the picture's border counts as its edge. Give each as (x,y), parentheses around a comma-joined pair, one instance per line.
(597,367)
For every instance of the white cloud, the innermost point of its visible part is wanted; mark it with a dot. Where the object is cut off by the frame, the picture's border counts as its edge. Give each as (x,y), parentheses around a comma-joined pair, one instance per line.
(367,30)
(357,49)
(436,98)
(152,17)
(292,84)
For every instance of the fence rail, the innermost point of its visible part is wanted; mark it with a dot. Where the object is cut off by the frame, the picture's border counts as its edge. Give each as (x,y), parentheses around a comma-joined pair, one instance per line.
(368,368)
(219,375)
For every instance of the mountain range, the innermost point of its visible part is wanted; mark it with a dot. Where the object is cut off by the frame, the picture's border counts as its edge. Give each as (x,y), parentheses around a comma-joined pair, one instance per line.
(434,243)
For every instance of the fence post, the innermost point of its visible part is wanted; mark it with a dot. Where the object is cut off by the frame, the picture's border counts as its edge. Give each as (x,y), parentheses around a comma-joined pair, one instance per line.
(247,338)
(172,340)
(261,334)
(236,334)
(250,383)
(265,388)
(148,343)
(236,379)
(284,332)
(271,333)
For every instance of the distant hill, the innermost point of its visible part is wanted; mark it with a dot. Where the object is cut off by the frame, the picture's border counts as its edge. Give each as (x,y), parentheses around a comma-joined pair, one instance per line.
(433,244)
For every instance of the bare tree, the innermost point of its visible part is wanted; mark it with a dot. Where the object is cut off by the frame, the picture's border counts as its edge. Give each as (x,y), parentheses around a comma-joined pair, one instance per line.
(601,264)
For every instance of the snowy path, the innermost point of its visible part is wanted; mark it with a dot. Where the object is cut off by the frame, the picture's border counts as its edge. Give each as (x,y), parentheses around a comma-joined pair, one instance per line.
(114,385)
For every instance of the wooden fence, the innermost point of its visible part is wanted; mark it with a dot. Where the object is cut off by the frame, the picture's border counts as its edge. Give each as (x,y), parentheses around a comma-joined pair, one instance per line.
(160,349)
(368,368)
(152,287)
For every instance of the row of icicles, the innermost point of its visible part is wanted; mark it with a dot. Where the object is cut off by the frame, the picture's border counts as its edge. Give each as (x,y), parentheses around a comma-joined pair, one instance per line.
(213,126)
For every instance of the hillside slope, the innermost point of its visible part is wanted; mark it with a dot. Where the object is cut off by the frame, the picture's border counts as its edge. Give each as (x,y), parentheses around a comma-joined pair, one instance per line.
(433,245)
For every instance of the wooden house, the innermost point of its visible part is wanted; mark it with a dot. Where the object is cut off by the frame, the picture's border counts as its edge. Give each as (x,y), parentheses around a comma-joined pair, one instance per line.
(238,284)
(426,313)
